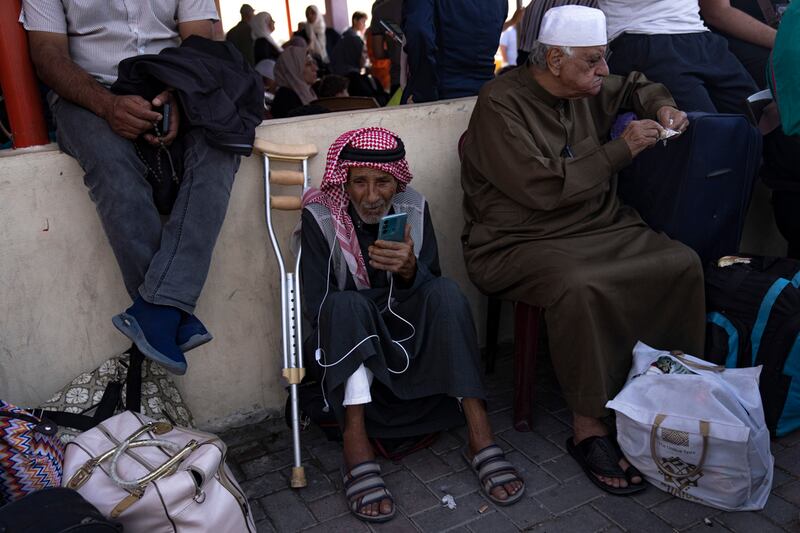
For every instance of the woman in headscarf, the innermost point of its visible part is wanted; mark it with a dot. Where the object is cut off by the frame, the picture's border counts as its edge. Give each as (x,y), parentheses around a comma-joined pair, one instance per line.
(264,46)
(348,59)
(315,33)
(295,73)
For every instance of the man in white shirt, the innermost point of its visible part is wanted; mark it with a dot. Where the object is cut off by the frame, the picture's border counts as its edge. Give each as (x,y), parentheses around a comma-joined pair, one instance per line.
(668,42)
(508,46)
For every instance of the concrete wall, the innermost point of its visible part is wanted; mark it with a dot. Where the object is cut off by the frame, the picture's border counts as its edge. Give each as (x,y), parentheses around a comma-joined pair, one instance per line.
(59,283)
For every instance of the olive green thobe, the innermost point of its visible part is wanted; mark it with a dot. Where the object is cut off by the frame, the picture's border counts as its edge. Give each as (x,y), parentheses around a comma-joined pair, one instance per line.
(544,226)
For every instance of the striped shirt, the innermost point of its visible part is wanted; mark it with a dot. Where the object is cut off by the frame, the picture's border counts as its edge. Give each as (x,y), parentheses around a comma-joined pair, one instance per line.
(104,32)
(532,19)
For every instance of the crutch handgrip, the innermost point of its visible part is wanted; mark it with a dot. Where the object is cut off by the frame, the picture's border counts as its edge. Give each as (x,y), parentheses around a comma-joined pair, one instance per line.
(294,375)
(287,177)
(284,151)
(285,203)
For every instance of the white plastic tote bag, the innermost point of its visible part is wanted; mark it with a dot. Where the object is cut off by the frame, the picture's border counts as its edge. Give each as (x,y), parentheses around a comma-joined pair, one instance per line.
(695,430)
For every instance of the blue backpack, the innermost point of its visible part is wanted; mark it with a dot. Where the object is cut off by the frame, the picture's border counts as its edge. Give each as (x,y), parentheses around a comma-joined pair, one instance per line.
(754,319)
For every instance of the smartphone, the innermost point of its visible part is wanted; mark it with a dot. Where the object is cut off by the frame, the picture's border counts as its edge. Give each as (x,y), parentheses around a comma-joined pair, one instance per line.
(395,29)
(392,227)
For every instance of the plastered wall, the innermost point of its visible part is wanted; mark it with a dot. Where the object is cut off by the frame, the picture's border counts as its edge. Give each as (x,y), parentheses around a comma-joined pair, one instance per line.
(59,283)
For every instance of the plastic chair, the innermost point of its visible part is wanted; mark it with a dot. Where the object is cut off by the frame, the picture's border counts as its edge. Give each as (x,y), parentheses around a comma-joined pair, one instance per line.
(291,314)
(527,319)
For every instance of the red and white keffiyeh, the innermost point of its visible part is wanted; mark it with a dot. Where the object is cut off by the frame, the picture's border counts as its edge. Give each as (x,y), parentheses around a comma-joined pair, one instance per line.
(332,194)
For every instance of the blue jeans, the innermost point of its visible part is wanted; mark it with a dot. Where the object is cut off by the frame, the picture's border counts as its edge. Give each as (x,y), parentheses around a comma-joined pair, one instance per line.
(165,264)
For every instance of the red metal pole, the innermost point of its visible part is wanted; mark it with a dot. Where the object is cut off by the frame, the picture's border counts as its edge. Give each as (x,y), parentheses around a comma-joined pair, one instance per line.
(20,89)
(289,18)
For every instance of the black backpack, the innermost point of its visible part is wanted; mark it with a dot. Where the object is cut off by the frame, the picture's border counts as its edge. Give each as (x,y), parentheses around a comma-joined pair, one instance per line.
(754,319)
(56,510)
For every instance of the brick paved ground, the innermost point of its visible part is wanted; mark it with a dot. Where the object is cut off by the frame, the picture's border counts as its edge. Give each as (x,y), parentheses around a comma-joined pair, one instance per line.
(558,496)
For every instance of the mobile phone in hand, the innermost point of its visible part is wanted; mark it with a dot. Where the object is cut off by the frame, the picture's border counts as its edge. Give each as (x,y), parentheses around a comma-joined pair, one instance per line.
(392,227)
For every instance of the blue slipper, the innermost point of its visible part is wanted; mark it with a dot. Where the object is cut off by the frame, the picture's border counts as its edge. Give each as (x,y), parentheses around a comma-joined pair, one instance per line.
(153,329)
(191,333)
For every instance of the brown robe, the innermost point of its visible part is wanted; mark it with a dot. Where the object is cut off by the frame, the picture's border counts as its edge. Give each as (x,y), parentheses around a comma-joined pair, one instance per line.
(544,226)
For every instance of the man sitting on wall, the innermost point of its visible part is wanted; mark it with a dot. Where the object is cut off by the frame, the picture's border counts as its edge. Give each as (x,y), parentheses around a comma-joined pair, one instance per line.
(394,343)
(544,225)
(76,48)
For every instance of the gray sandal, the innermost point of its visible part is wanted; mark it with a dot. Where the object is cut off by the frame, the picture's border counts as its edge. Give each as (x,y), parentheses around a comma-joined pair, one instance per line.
(363,486)
(493,470)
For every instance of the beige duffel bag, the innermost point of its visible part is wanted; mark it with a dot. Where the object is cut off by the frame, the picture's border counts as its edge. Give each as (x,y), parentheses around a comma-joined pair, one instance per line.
(153,477)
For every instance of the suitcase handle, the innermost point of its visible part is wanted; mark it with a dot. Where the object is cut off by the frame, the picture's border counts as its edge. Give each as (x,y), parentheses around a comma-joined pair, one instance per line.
(704,427)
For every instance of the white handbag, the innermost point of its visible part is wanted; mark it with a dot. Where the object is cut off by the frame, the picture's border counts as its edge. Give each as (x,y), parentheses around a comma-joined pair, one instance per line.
(698,434)
(153,477)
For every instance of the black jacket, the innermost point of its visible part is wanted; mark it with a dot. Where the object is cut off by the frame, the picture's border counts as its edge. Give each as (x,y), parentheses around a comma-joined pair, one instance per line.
(216,88)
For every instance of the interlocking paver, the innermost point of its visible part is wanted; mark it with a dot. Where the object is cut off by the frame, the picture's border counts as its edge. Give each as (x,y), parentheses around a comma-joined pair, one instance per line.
(329,507)
(263,485)
(457,484)
(399,524)
(410,494)
(502,420)
(536,479)
(441,518)
(319,484)
(257,510)
(584,519)
(328,455)
(558,496)
(287,512)
(626,513)
(780,511)
(526,513)
(426,465)
(748,522)
(789,460)
(343,524)
(270,462)
(570,495)
(534,446)
(445,443)
(681,513)
(790,492)
(494,523)
(264,526)
(247,451)
(563,467)
(651,497)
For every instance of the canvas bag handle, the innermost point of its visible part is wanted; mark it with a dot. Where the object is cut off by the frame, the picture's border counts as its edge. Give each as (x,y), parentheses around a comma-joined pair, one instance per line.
(704,430)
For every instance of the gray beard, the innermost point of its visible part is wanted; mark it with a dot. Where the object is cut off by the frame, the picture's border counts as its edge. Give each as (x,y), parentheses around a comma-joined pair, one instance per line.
(371,219)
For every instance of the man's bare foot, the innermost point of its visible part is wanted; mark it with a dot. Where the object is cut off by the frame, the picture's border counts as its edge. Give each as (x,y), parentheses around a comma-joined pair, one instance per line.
(357,450)
(584,427)
(480,436)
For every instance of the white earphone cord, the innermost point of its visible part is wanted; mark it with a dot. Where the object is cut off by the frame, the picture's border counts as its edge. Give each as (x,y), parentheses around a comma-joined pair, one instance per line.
(319,354)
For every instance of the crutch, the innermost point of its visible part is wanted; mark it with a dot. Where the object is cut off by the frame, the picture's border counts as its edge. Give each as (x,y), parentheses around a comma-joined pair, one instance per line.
(291,316)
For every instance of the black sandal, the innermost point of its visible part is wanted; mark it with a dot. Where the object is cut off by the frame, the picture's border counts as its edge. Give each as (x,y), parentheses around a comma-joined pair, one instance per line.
(600,456)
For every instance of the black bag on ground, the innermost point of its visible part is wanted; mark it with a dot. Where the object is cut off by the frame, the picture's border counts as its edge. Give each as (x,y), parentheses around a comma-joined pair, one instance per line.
(56,510)
(754,319)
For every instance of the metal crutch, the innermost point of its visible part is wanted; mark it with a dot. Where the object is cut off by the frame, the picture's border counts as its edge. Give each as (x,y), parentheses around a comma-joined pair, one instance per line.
(291,315)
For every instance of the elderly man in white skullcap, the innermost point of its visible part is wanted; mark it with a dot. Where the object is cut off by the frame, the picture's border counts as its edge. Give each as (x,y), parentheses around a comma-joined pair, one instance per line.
(544,225)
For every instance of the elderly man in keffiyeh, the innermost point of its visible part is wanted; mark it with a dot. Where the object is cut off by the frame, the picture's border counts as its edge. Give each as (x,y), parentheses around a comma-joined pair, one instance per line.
(393,342)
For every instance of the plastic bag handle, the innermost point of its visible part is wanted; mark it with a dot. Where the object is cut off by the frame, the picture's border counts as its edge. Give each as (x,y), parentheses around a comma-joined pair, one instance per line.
(680,356)
(704,430)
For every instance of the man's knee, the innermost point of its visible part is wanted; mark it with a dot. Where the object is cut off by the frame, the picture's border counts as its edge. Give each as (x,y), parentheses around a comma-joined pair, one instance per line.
(443,293)
(347,303)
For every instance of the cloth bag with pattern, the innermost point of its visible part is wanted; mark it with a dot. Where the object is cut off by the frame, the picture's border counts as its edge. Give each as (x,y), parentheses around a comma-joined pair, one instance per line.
(84,395)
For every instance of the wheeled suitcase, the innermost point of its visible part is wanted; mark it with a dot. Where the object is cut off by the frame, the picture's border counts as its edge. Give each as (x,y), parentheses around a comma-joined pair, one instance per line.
(696,187)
